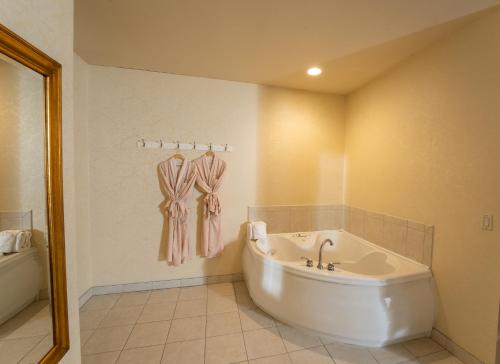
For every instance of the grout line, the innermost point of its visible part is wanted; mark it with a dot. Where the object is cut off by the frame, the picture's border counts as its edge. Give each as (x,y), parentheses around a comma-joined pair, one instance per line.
(283,342)
(28,336)
(436,352)
(34,346)
(133,327)
(165,345)
(205,338)
(86,341)
(373,356)
(170,326)
(114,303)
(233,333)
(329,354)
(241,326)
(172,319)
(141,347)
(103,352)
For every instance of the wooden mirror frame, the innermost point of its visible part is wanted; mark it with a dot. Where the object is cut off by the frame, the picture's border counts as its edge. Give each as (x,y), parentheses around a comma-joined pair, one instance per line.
(13,46)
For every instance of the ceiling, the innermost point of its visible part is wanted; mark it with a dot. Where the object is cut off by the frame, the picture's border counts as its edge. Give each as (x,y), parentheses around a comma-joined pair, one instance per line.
(270,42)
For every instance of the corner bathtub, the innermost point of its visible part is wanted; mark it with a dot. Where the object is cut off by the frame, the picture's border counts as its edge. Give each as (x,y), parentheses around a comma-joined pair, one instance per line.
(373,298)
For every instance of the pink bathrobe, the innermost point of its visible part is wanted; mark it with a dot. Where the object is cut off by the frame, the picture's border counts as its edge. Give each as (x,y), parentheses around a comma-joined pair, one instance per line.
(178,178)
(210,171)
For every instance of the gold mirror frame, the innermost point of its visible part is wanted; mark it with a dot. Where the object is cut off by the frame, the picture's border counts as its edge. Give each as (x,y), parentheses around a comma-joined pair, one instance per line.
(26,54)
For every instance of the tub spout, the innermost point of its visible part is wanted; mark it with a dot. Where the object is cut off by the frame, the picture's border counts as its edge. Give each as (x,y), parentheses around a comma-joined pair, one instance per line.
(320,258)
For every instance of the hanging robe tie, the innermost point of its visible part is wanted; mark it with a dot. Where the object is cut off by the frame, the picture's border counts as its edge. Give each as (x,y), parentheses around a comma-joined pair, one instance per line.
(209,175)
(177,182)
(212,205)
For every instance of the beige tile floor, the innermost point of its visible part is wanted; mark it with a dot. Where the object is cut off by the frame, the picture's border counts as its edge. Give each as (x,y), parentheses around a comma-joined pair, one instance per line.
(218,324)
(27,337)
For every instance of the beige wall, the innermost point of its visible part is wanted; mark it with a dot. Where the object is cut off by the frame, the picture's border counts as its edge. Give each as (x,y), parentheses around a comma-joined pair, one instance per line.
(423,143)
(300,147)
(84,261)
(48,24)
(126,224)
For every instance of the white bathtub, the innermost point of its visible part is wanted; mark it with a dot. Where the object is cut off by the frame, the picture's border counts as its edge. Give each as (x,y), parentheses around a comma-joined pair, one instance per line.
(373,298)
(20,277)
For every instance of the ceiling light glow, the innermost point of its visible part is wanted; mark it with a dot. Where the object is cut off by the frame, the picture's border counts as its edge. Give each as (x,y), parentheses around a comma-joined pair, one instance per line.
(314,71)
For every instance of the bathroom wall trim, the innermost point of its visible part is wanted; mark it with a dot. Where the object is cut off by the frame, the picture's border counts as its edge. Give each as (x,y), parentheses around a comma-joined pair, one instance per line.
(152,285)
(454,348)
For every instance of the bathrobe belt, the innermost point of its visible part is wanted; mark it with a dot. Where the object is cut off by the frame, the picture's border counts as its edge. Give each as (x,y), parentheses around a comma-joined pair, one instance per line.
(212,206)
(176,209)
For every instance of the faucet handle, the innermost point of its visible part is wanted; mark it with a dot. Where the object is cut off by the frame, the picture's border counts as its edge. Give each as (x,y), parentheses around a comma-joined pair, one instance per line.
(309,262)
(300,235)
(331,265)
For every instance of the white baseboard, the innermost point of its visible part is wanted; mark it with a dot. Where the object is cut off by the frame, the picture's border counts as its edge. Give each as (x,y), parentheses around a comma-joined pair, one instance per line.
(454,348)
(151,285)
(85,296)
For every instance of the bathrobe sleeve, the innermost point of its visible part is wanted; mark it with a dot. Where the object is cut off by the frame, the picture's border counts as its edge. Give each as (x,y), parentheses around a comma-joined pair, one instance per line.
(177,183)
(209,180)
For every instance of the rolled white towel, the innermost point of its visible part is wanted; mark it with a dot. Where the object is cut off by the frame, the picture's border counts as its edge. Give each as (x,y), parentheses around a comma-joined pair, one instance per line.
(259,230)
(23,241)
(259,233)
(14,241)
(8,241)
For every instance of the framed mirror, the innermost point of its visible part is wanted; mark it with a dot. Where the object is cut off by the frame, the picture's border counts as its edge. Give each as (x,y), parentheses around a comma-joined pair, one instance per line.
(33,301)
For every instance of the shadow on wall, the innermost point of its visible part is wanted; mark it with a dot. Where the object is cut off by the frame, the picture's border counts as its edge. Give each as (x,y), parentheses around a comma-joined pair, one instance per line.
(300,147)
(232,255)
(162,248)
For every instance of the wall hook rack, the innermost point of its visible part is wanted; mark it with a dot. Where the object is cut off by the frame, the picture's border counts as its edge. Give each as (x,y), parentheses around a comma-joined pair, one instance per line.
(161,144)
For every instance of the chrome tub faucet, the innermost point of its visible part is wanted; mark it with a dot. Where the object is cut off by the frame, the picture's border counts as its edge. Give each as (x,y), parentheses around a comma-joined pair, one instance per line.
(320,258)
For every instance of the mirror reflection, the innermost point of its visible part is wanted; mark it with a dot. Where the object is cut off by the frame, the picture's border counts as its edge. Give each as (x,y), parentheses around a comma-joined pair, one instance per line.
(25,308)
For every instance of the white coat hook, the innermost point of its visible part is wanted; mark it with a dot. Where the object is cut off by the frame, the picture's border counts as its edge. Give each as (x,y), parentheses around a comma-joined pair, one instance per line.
(194,145)
(161,143)
(143,143)
(178,145)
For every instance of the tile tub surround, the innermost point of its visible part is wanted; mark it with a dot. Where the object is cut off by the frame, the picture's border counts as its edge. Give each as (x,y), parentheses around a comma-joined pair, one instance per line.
(241,334)
(286,219)
(411,239)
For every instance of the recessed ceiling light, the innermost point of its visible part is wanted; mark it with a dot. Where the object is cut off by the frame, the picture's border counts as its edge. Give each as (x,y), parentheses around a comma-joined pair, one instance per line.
(314,71)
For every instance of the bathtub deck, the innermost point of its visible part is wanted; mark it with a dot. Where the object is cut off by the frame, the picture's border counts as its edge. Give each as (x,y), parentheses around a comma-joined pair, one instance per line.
(216,324)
